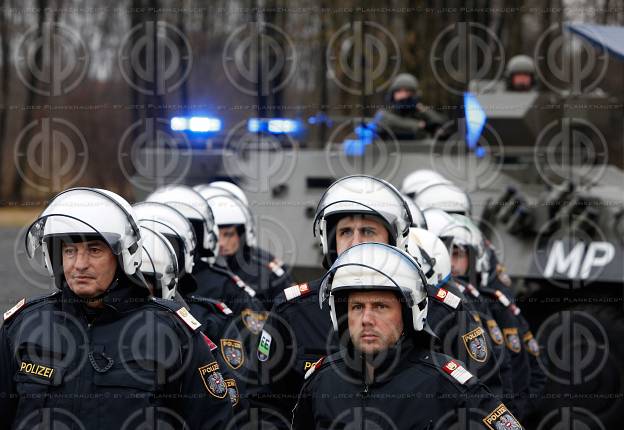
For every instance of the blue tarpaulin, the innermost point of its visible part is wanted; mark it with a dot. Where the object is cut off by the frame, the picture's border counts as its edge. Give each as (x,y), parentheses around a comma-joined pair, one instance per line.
(608,37)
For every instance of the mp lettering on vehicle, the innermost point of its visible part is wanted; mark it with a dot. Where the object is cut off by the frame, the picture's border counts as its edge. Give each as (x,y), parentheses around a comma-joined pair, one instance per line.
(579,261)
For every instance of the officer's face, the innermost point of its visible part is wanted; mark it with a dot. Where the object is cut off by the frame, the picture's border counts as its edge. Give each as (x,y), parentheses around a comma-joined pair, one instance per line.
(356,229)
(521,81)
(229,240)
(459,261)
(89,267)
(402,94)
(375,320)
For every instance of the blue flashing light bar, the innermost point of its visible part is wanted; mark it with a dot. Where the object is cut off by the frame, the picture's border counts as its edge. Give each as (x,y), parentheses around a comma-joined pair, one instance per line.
(274,125)
(475,119)
(196,124)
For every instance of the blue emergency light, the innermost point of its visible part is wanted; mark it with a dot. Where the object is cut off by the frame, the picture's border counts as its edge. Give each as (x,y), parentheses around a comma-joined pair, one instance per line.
(274,125)
(475,119)
(196,124)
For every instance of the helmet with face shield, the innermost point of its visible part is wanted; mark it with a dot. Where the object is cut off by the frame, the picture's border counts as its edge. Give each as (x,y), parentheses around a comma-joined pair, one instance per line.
(418,219)
(194,207)
(458,231)
(231,188)
(174,226)
(376,266)
(431,254)
(81,215)
(420,179)
(229,210)
(360,195)
(447,197)
(160,263)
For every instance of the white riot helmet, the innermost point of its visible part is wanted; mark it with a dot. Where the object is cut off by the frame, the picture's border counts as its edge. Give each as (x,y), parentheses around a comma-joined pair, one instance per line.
(174,226)
(231,188)
(194,207)
(418,219)
(81,214)
(416,181)
(447,197)
(229,210)
(160,263)
(360,195)
(459,230)
(432,255)
(376,266)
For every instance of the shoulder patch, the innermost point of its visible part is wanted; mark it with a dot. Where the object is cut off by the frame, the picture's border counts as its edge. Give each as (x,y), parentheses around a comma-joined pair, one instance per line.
(296,291)
(276,267)
(15,309)
(475,344)
(495,332)
(210,375)
(188,319)
(264,346)
(447,298)
(457,371)
(531,344)
(315,366)
(501,419)
(512,340)
(232,391)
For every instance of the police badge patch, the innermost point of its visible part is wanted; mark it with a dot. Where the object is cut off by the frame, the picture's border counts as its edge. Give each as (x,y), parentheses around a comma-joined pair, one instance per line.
(232,352)
(254,321)
(213,380)
(476,345)
(501,419)
(531,344)
(512,340)
(232,389)
(495,332)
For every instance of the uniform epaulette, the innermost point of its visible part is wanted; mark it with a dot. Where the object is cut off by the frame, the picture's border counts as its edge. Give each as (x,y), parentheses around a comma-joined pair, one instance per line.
(454,370)
(215,304)
(182,313)
(277,267)
(448,298)
(297,291)
(24,303)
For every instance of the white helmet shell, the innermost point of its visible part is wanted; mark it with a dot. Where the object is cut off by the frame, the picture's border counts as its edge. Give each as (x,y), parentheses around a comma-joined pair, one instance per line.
(87,212)
(447,197)
(229,210)
(159,261)
(419,179)
(365,195)
(377,266)
(174,226)
(231,188)
(193,206)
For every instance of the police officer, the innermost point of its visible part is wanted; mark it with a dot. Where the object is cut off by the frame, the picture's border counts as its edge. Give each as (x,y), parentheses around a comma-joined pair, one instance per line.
(218,320)
(405,116)
(384,375)
(275,264)
(520,73)
(237,245)
(354,209)
(100,352)
(160,268)
(456,316)
(470,265)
